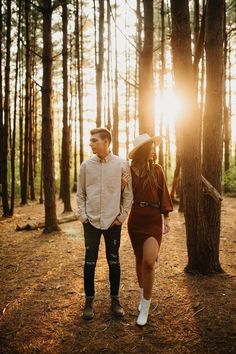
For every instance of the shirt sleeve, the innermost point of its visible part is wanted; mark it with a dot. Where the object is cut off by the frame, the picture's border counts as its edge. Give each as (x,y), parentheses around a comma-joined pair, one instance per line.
(81,194)
(165,199)
(127,194)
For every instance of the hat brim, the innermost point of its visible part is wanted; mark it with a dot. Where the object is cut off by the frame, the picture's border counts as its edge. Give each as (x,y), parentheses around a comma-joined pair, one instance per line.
(155,139)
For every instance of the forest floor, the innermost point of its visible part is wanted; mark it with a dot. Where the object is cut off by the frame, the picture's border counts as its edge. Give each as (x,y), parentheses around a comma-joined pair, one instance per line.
(41,293)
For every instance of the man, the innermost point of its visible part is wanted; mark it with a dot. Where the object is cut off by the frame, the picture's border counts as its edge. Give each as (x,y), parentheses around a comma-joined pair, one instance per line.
(104,198)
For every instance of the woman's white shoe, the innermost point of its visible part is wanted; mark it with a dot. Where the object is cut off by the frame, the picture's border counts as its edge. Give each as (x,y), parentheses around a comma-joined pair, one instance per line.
(143,315)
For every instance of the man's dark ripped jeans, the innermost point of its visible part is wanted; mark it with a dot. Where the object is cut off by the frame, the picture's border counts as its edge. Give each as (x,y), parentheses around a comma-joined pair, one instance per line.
(92,238)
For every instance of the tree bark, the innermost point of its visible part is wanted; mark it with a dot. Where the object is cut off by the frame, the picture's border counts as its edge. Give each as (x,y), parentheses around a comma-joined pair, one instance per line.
(162,76)
(47,123)
(65,153)
(5,204)
(212,127)
(13,152)
(188,130)
(27,105)
(99,66)
(146,91)
(1,98)
(115,127)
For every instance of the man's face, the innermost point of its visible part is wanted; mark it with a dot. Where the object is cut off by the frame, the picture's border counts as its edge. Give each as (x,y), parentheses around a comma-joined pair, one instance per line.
(98,145)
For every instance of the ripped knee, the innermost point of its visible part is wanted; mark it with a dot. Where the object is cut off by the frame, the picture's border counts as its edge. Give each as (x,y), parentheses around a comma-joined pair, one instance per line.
(113,259)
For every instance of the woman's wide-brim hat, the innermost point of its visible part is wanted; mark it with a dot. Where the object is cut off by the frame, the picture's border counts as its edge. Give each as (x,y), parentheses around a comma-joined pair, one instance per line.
(142,140)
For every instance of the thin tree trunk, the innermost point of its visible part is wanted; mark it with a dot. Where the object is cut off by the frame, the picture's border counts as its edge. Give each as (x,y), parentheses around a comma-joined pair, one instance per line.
(27,105)
(21,115)
(108,66)
(65,153)
(51,223)
(115,127)
(137,63)
(226,110)
(99,66)
(81,86)
(127,90)
(6,210)
(13,152)
(1,98)
(146,91)
(162,75)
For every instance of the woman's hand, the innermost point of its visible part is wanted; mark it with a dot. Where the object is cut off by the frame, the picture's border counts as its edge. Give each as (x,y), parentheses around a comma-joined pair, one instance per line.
(166,227)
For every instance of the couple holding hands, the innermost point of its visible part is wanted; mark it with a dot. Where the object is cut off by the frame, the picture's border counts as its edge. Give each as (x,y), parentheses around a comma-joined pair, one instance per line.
(107,188)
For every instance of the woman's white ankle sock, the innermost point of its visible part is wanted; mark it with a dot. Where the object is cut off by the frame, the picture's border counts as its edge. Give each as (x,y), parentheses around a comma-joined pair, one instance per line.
(141,297)
(143,315)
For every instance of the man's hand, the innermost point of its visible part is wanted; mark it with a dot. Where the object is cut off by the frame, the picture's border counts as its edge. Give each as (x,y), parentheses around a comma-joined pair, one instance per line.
(115,222)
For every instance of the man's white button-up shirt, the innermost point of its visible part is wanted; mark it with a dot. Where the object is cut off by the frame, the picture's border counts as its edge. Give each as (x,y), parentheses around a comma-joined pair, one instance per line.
(99,194)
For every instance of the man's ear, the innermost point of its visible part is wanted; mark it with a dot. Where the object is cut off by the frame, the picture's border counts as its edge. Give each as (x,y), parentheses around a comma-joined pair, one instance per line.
(106,142)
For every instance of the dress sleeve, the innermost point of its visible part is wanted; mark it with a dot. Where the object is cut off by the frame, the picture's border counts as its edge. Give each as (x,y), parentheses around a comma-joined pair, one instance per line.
(165,199)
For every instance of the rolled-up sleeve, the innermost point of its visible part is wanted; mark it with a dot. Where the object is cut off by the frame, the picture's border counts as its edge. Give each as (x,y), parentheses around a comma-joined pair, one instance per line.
(126,195)
(165,199)
(81,194)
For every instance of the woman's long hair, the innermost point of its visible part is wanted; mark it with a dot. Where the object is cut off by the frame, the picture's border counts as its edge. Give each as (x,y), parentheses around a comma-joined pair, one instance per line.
(145,166)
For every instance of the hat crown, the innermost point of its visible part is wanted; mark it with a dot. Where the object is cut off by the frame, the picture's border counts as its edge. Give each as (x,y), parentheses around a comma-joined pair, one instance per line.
(141,139)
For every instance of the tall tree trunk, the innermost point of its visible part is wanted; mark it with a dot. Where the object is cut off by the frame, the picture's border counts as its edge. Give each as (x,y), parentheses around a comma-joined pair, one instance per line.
(27,104)
(31,142)
(115,127)
(226,109)
(13,152)
(79,55)
(146,91)
(21,115)
(1,97)
(196,23)
(65,153)
(99,66)
(81,86)
(162,75)
(6,210)
(108,66)
(212,126)
(75,66)
(47,123)
(137,63)
(189,130)
(127,88)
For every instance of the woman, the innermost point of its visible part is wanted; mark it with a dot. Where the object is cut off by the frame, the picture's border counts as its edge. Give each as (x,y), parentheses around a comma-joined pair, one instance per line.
(152,204)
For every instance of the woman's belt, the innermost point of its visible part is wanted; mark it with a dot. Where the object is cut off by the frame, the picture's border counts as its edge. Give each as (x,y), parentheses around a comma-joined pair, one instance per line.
(147,204)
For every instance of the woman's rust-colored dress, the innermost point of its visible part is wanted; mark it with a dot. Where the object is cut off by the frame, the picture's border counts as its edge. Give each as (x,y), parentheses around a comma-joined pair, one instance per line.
(146,222)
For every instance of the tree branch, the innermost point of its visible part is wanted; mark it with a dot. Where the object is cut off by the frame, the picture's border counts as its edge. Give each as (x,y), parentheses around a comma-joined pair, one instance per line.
(36,6)
(200,43)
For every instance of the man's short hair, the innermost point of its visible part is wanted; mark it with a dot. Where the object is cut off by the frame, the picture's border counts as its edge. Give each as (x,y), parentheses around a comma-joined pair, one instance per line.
(104,133)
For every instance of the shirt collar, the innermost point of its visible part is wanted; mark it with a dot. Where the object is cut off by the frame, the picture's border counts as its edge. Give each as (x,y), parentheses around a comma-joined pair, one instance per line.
(105,159)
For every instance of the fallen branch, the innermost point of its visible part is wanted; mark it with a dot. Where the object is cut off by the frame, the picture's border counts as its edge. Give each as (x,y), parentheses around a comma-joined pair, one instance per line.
(209,189)
(41,225)
(200,310)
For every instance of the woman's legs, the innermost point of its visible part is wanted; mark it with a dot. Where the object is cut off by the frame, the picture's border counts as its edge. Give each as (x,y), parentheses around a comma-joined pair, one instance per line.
(150,254)
(146,276)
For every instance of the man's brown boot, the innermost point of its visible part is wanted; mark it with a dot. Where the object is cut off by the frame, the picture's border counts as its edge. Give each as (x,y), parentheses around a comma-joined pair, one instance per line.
(116,308)
(88,309)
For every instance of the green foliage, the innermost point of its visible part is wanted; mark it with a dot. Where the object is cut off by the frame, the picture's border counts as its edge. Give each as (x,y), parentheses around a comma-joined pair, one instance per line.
(229,180)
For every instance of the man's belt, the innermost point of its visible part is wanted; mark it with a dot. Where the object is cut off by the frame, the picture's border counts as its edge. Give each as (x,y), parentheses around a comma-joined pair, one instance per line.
(147,204)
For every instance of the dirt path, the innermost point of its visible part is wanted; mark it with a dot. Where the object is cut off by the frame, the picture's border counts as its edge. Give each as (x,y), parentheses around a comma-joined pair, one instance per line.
(42,295)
